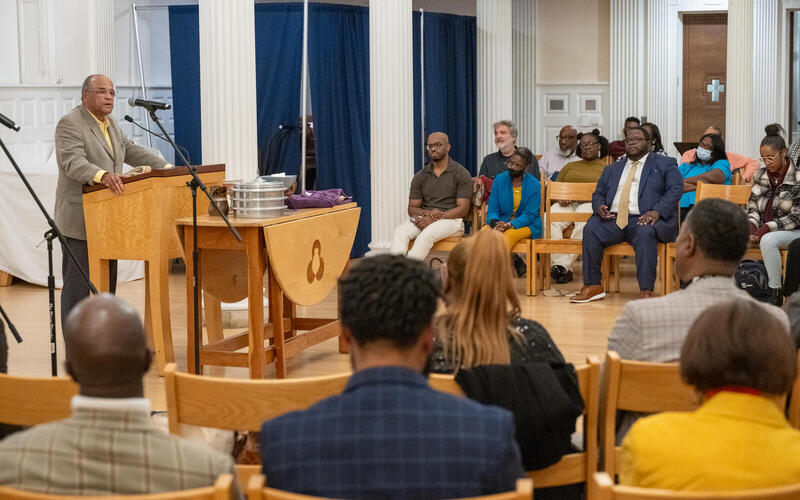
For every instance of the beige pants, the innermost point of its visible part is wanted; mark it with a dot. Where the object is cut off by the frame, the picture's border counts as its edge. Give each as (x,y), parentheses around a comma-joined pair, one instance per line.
(425,239)
(557,232)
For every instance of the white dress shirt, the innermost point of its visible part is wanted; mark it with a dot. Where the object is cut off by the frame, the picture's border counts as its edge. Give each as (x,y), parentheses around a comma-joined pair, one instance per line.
(554,160)
(633,207)
(139,405)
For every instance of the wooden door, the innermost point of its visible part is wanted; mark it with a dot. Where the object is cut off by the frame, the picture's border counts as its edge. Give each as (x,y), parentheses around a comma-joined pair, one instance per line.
(705,46)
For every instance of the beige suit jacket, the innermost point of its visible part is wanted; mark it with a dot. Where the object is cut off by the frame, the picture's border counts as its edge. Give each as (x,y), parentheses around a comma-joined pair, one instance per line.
(81,151)
(107,452)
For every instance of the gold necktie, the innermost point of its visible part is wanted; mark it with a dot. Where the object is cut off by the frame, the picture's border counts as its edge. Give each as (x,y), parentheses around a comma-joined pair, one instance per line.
(625,197)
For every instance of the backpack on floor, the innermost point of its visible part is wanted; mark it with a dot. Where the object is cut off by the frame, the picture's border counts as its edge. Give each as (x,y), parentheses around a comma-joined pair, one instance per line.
(751,276)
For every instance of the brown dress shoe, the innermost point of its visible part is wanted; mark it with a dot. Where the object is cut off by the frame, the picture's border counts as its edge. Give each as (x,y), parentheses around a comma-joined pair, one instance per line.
(589,293)
(646,294)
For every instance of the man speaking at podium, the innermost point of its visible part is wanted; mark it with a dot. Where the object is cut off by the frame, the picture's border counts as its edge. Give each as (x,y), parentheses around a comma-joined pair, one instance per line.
(90,148)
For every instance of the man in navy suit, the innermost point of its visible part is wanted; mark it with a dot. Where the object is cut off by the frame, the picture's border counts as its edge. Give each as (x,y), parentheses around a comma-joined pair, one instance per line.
(636,200)
(389,435)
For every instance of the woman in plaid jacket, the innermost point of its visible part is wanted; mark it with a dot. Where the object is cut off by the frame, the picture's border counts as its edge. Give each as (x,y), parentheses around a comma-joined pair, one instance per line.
(773,209)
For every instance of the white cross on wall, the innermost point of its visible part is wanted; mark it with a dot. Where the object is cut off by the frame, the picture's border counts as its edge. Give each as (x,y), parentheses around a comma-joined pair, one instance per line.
(716,89)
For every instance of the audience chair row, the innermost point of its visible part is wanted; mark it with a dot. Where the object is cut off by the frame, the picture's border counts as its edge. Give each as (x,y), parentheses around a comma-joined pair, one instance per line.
(237,404)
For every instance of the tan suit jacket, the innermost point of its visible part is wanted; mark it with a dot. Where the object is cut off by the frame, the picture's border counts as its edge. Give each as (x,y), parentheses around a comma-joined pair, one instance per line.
(105,452)
(81,151)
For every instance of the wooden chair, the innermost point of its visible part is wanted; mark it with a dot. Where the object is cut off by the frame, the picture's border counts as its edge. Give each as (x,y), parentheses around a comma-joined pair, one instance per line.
(738,194)
(605,489)
(522,246)
(574,467)
(30,401)
(640,387)
(551,191)
(221,490)
(256,490)
(240,404)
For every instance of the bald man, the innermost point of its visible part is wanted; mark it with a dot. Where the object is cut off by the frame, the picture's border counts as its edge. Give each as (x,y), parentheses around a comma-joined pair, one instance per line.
(567,151)
(109,445)
(437,203)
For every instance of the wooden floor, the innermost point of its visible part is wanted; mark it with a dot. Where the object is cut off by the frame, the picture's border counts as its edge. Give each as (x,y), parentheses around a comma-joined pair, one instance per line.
(578,329)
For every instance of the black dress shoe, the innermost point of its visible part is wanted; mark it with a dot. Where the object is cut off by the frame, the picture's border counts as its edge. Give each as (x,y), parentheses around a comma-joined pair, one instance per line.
(557,272)
(519,265)
(776,296)
(564,278)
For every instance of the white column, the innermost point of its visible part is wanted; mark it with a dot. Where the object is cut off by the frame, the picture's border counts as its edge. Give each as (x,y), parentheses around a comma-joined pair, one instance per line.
(627,47)
(766,51)
(657,88)
(391,115)
(103,37)
(523,41)
(228,86)
(739,87)
(495,88)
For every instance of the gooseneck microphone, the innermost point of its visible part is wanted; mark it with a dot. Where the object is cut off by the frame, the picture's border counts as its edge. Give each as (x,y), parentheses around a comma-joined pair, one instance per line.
(8,122)
(128,118)
(146,104)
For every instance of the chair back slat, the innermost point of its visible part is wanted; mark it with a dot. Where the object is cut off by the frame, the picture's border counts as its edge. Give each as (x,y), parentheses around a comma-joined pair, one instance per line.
(604,489)
(241,404)
(738,194)
(30,401)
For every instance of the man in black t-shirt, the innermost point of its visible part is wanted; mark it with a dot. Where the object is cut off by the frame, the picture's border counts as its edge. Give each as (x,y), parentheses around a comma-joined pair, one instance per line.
(505,138)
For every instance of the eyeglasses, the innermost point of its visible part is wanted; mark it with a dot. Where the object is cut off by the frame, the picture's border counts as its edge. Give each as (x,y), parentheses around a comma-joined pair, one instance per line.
(589,145)
(565,137)
(436,145)
(520,166)
(110,92)
(769,159)
(634,140)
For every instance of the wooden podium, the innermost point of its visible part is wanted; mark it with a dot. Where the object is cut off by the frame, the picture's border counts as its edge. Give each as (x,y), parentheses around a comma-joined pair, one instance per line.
(139,224)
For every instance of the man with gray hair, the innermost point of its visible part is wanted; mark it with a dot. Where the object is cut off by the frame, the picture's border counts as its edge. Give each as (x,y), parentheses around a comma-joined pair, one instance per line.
(505,138)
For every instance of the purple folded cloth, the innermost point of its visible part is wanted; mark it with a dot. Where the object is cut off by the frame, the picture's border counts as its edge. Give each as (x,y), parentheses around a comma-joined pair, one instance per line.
(318,199)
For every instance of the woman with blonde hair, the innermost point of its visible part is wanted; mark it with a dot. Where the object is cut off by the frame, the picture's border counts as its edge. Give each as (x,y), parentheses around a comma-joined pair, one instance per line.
(481,322)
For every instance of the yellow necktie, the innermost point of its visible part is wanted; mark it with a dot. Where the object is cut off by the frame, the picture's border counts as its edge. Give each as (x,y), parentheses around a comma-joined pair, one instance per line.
(625,197)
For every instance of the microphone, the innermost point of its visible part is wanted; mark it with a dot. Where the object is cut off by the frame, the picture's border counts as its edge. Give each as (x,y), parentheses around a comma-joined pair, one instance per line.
(149,105)
(8,122)
(129,119)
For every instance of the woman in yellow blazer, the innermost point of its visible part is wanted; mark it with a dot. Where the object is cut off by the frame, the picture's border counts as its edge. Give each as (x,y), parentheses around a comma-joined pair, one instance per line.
(740,359)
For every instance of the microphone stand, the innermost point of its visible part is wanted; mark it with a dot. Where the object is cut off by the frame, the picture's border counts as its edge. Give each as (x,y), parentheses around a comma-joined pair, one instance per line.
(193,185)
(51,234)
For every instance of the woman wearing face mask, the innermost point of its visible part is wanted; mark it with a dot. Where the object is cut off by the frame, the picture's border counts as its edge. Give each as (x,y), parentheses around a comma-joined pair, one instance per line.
(514,202)
(710,165)
(773,209)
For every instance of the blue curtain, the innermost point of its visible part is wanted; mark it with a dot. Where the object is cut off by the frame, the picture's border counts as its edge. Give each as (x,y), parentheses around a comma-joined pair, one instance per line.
(279,43)
(184,51)
(279,50)
(450,85)
(338,64)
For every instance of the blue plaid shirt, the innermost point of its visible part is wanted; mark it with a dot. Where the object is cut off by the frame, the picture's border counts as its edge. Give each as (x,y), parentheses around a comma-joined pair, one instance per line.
(390,436)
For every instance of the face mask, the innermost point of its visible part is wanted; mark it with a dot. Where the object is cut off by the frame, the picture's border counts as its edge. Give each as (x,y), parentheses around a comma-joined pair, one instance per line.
(703,154)
(515,174)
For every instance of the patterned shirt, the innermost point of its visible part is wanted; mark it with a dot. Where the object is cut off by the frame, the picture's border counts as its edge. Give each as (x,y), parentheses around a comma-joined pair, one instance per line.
(786,204)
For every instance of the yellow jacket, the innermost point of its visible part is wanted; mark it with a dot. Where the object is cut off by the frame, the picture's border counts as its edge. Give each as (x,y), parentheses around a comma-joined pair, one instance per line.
(734,441)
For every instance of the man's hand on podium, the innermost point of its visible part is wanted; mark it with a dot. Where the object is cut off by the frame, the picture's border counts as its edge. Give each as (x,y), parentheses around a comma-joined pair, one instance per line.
(113,182)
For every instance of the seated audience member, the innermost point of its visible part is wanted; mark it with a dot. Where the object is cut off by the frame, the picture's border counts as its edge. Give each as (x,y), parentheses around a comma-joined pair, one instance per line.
(617,148)
(505,138)
(739,360)
(774,206)
(636,201)
(593,149)
(792,308)
(747,166)
(791,282)
(710,245)
(481,322)
(567,151)
(710,165)
(389,435)
(109,445)
(514,202)
(437,203)
(656,146)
